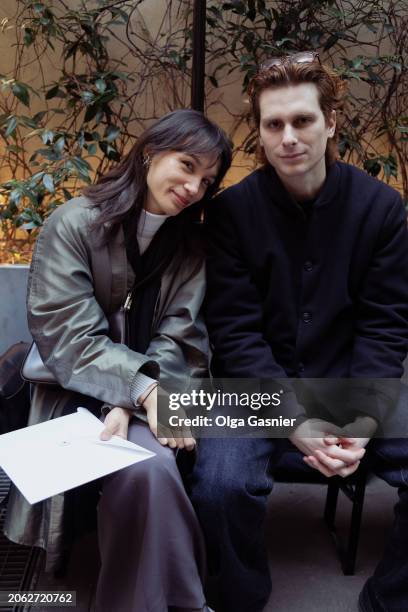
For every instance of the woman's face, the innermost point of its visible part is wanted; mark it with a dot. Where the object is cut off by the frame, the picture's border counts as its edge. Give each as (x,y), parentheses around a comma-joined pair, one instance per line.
(176,180)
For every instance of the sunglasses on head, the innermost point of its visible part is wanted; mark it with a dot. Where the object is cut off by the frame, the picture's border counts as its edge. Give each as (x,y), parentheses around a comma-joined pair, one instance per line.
(304,57)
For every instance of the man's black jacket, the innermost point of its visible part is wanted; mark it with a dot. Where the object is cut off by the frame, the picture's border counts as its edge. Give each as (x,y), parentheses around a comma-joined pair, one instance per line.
(323,295)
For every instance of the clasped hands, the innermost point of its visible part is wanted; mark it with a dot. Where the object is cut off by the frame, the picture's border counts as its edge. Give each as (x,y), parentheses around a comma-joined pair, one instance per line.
(331,450)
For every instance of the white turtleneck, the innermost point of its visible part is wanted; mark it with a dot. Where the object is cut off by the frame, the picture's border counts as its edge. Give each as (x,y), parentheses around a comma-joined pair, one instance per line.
(148,225)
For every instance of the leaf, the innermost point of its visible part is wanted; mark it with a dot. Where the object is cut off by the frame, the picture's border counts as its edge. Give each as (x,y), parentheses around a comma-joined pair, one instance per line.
(116,74)
(30,194)
(35,178)
(90,113)
(27,121)
(106,97)
(238,6)
(15,195)
(38,8)
(371,27)
(51,93)
(14,149)
(331,41)
(372,166)
(47,136)
(28,36)
(80,166)
(32,217)
(11,126)
(357,63)
(81,163)
(397,66)
(21,92)
(374,78)
(29,226)
(92,149)
(251,12)
(59,145)
(88,97)
(71,50)
(112,132)
(48,182)
(100,85)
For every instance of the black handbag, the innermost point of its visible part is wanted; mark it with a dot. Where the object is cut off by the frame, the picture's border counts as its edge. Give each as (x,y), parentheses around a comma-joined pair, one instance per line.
(14,391)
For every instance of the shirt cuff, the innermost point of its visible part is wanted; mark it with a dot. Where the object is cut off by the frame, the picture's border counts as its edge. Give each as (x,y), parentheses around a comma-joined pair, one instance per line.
(140,383)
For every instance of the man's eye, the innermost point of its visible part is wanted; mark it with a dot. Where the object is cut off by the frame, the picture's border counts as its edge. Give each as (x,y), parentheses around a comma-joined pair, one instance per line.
(274,125)
(303,120)
(207,182)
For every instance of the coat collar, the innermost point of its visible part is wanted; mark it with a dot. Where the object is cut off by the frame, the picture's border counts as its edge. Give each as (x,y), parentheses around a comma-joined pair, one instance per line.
(280,196)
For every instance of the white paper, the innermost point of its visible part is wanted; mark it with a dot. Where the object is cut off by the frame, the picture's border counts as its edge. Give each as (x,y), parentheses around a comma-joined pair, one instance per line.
(57,455)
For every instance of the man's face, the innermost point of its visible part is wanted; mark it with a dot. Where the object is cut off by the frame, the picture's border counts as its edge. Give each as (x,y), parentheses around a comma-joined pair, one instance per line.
(294,132)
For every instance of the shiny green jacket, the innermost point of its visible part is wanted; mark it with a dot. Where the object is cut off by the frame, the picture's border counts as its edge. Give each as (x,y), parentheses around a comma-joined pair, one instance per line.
(69,324)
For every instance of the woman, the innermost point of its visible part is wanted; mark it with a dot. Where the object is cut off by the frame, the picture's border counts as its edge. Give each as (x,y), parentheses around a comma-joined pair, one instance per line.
(139,225)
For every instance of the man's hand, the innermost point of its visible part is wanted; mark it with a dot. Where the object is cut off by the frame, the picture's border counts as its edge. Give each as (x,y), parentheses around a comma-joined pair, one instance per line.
(350,439)
(150,405)
(320,442)
(116,424)
(363,428)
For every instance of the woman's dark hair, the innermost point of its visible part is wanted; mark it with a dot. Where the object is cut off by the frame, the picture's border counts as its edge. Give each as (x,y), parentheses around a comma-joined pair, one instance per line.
(120,194)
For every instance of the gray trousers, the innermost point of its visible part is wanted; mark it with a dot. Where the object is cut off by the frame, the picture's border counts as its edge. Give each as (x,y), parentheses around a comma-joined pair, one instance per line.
(151,546)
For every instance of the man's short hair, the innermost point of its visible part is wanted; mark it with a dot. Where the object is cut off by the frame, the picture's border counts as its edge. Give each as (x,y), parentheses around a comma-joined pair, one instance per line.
(331,90)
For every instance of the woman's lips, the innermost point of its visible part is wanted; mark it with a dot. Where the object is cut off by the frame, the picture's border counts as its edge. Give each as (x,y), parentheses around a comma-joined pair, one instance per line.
(180,200)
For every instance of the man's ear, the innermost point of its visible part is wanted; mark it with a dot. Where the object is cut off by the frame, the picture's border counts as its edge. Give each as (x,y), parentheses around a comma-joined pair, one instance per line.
(331,124)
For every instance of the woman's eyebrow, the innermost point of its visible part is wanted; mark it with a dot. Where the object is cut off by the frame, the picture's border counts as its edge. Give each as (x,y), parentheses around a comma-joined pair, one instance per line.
(200,163)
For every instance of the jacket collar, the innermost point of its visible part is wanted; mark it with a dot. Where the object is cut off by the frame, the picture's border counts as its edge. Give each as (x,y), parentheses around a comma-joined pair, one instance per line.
(329,193)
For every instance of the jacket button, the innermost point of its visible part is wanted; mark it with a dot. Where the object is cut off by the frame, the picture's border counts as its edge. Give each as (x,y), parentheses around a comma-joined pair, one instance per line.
(308,266)
(307,317)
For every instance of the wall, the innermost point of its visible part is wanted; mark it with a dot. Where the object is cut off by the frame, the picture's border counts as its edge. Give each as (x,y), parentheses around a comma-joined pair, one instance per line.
(13,323)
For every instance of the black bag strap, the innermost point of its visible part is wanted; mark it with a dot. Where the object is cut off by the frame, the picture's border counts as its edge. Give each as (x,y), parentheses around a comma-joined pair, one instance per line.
(102,276)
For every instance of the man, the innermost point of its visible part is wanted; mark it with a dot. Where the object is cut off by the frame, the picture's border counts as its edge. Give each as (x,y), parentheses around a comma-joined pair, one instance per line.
(307,278)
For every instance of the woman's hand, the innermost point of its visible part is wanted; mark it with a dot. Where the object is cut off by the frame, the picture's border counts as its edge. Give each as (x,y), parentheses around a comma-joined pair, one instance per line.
(149,402)
(116,423)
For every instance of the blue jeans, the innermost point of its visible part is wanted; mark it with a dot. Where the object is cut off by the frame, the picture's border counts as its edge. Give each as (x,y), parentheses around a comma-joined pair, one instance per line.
(231,482)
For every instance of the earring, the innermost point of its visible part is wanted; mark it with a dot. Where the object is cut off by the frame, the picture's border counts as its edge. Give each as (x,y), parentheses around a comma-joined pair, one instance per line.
(146,161)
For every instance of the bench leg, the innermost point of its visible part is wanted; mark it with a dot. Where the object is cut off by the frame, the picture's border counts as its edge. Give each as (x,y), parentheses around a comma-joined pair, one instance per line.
(349,559)
(331,504)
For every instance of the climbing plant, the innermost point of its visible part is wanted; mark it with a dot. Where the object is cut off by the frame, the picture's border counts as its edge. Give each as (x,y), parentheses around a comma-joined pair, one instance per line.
(85,77)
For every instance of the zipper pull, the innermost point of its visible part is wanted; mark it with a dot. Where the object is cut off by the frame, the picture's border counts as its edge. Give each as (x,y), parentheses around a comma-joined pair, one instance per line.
(128,301)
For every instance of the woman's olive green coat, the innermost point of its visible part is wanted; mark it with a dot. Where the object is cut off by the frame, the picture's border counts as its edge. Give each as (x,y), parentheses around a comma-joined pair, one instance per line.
(69,324)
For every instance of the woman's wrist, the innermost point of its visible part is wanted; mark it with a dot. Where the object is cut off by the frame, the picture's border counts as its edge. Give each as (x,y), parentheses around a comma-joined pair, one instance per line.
(124,411)
(148,393)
